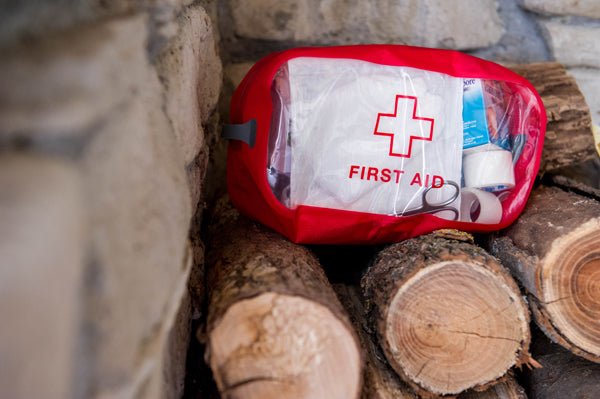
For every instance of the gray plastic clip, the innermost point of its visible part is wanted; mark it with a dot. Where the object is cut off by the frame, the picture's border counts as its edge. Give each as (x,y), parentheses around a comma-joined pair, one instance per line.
(245,132)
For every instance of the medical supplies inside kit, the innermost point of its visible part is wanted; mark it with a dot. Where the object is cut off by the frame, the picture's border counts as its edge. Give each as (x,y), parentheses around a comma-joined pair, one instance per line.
(367,144)
(409,159)
(487,157)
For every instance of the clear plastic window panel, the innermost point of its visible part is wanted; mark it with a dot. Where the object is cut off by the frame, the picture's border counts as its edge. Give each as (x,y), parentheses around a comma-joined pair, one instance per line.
(353,135)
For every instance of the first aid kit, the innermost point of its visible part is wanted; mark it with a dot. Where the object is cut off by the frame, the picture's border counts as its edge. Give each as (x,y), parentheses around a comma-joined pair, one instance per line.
(378,143)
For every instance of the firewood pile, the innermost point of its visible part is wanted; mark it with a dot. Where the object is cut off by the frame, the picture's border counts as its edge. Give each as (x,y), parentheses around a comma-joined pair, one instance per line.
(446,314)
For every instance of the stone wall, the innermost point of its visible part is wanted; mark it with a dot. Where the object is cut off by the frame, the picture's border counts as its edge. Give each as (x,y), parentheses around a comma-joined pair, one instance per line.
(108,125)
(510,31)
(106,112)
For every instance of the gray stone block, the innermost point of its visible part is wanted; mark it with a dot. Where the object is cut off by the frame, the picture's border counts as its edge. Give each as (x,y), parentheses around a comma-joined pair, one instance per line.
(42,242)
(464,24)
(584,8)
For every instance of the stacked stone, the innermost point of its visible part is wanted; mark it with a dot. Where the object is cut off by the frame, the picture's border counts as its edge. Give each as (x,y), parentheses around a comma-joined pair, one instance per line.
(509,31)
(106,112)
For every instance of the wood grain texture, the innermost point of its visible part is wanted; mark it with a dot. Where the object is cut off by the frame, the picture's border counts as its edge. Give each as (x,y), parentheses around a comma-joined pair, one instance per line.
(554,251)
(569,138)
(447,315)
(275,326)
(380,380)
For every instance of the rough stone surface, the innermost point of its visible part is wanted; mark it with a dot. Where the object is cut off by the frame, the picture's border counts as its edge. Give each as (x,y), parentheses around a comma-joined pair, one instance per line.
(52,16)
(234,73)
(522,41)
(98,244)
(190,70)
(42,240)
(465,24)
(64,86)
(215,181)
(212,9)
(162,374)
(175,352)
(268,19)
(588,80)
(140,209)
(232,76)
(574,45)
(584,8)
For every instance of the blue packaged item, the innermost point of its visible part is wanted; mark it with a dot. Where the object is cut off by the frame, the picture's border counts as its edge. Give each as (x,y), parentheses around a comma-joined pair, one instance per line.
(485,123)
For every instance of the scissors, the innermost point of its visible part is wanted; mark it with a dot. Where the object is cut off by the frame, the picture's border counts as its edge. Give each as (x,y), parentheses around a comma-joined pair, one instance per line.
(436,207)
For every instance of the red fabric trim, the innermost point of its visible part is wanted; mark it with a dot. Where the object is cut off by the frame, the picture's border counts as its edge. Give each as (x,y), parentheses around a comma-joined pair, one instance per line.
(246,168)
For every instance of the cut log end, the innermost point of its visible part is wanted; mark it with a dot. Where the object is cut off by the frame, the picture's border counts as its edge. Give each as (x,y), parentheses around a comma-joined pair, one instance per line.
(570,281)
(456,325)
(274,346)
(554,250)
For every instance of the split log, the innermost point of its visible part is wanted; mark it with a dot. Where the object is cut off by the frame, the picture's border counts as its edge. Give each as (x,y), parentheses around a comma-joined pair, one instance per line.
(275,327)
(506,389)
(569,138)
(554,251)
(380,381)
(447,315)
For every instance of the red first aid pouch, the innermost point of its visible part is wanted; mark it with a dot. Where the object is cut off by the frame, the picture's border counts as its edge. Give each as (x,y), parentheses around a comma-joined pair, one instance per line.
(378,143)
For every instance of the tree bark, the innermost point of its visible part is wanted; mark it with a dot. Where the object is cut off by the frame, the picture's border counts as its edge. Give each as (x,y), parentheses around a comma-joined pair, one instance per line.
(569,138)
(506,389)
(380,381)
(447,315)
(275,326)
(554,251)
(563,374)
(583,178)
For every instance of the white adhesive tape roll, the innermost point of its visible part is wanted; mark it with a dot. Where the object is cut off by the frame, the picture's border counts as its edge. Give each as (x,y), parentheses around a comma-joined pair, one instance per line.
(489,169)
(479,206)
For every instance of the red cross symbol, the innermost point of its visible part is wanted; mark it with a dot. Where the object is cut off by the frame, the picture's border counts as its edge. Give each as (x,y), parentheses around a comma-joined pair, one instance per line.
(403,128)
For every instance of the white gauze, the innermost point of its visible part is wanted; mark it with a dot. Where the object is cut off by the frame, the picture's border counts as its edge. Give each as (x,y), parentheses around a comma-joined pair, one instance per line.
(334,110)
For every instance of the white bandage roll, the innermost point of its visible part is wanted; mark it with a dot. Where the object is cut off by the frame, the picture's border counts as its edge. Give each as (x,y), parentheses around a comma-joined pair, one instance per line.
(479,206)
(489,169)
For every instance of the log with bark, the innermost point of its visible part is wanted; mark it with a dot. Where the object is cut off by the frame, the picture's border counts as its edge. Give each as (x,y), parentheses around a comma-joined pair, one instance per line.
(380,381)
(275,327)
(583,178)
(569,139)
(506,389)
(554,251)
(563,374)
(447,315)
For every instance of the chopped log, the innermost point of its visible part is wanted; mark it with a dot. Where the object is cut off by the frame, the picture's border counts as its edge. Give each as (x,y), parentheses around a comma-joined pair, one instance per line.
(275,327)
(554,251)
(569,138)
(506,389)
(563,375)
(380,381)
(447,315)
